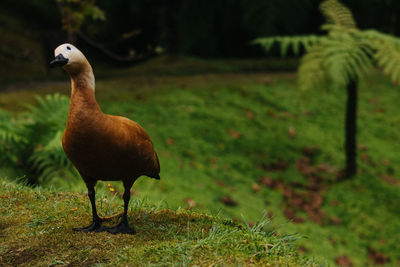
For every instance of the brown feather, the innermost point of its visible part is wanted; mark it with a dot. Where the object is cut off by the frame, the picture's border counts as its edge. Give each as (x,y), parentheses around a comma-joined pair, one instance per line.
(104,147)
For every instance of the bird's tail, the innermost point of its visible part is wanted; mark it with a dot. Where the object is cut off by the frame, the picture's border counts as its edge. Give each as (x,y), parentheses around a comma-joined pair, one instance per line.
(155,176)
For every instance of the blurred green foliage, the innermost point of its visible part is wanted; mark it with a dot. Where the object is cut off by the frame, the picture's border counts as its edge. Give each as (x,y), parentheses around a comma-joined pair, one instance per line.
(31,145)
(75,13)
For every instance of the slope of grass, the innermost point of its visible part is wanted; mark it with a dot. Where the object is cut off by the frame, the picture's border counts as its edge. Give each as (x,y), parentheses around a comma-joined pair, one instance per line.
(36,230)
(248,146)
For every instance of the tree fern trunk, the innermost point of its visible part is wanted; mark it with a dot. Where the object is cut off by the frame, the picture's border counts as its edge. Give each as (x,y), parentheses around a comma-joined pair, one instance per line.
(351,129)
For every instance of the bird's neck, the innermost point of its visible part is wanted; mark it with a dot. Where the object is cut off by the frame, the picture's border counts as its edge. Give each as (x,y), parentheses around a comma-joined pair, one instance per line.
(82,77)
(82,91)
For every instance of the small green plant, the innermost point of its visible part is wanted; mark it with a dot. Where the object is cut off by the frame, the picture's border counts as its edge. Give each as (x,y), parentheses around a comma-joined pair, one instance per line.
(340,58)
(32,144)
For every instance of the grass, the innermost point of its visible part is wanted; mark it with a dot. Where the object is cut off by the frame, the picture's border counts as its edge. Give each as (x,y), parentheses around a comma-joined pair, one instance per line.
(219,135)
(36,230)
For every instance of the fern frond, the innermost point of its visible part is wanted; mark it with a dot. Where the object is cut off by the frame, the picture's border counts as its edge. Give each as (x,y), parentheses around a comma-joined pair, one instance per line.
(386,53)
(312,69)
(12,139)
(388,57)
(337,14)
(50,159)
(373,36)
(346,59)
(286,42)
(51,110)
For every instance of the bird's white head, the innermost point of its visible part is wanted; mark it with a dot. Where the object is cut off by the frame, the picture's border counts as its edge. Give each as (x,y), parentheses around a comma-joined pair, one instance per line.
(74,62)
(68,57)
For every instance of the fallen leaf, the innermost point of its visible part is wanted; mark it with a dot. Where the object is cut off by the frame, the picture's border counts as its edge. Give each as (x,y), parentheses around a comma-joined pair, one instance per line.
(310,151)
(249,114)
(190,203)
(335,220)
(165,154)
(213,162)
(280,186)
(289,213)
(292,132)
(377,257)
(362,147)
(390,179)
(288,192)
(341,175)
(141,98)
(272,114)
(298,220)
(334,203)
(169,141)
(317,200)
(269,214)
(287,114)
(235,134)
(343,261)
(279,165)
(296,202)
(366,158)
(303,165)
(228,201)
(325,167)
(385,162)
(303,249)
(256,188)
(373,101)
(316,216)
(267,181)
(219,183)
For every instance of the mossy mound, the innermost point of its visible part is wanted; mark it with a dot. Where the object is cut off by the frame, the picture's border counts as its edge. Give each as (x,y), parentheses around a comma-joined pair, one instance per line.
(36,229)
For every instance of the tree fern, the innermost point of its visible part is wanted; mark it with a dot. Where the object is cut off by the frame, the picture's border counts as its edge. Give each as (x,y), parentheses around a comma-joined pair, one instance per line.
(340,58)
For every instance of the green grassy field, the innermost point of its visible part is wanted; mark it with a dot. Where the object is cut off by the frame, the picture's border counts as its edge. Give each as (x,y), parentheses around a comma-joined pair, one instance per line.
(251,146)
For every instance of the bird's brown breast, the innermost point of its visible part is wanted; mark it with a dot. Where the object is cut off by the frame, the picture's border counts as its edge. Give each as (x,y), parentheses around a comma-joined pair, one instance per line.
(104,147)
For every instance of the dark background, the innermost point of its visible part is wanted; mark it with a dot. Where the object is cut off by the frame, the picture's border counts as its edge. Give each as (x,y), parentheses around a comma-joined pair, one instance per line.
(207,28)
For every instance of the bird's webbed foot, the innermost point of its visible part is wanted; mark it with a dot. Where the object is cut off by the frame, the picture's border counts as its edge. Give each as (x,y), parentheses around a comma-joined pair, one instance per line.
(122,228)
(95,226)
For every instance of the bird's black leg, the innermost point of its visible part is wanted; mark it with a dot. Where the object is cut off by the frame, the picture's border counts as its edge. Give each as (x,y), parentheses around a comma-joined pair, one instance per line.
(95,226)
(123,227)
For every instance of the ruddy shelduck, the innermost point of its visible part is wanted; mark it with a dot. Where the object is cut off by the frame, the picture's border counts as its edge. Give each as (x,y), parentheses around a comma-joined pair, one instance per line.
(102,147)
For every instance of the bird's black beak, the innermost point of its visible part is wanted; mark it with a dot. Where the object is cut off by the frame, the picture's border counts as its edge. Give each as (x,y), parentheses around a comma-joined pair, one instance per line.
(58,61)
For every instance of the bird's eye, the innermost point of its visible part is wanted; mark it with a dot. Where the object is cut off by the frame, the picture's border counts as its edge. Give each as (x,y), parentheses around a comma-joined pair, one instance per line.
(69,48)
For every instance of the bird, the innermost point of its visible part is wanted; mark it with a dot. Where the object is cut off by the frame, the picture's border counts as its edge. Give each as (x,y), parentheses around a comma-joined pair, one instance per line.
(100,146)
